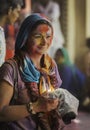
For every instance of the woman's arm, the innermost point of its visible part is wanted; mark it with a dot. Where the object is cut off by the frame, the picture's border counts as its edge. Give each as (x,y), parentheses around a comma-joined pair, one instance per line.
(17,112)
(7,112)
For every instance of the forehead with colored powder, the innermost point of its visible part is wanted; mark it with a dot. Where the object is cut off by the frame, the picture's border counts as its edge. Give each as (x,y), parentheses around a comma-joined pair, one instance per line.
(44,28)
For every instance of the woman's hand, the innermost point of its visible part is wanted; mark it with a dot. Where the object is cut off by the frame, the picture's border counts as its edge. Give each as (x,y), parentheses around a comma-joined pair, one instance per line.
(43,105)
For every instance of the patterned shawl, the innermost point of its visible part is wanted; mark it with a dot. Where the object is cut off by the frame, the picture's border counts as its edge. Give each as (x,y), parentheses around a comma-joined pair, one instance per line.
(44,77)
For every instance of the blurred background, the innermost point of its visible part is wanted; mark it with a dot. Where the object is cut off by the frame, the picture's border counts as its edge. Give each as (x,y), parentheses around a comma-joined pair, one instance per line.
(75,23)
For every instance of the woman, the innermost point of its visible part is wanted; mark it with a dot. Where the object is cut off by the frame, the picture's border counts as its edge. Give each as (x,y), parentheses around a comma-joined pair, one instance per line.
(34,70)
(9,13)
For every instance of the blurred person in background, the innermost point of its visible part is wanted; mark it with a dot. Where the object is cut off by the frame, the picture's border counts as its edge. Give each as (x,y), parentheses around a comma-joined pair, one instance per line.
(11,31)
(51,9)
(72,78)
(10,36)
(85,68)
(9,13)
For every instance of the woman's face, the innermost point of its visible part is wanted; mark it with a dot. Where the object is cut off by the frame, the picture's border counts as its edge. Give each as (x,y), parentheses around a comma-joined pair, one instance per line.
(40,39)
(14,14)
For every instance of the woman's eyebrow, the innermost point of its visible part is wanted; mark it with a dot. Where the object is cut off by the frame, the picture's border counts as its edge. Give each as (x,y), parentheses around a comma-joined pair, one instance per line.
(36,33)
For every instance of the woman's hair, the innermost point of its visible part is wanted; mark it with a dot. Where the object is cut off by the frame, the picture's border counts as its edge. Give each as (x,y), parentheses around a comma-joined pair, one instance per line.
(5,5)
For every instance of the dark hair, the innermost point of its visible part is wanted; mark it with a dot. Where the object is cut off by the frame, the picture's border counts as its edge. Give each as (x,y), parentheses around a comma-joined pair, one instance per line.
(6,4)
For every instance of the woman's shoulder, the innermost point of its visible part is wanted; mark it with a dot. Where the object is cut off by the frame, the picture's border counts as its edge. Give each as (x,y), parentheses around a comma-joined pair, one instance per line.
(7,71)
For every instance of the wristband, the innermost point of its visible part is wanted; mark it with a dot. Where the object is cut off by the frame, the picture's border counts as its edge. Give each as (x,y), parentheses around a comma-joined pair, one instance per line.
(30,108)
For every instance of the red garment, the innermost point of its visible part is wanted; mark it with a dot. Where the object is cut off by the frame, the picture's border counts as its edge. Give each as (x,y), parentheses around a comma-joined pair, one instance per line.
(11,30)
(10,40)
(9,54)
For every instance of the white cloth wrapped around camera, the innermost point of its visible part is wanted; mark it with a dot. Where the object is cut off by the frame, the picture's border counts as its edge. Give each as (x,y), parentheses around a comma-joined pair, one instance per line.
(67,102)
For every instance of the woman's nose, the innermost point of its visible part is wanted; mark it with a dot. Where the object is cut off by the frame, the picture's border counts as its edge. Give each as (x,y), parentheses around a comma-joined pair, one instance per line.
(44,40)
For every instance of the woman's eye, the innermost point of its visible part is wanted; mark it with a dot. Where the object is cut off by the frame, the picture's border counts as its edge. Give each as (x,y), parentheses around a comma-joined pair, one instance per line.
(37,36)
(48,36)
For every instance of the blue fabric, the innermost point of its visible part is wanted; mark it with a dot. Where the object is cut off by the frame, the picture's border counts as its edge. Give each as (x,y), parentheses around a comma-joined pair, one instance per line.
(72,82)
(66,76)
(29,73)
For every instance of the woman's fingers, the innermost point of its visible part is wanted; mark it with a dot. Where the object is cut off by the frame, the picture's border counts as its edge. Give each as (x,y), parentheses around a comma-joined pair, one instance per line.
(52,104)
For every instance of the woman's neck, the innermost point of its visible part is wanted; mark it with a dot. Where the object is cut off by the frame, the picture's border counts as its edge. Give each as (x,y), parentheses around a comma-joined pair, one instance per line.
(35,59)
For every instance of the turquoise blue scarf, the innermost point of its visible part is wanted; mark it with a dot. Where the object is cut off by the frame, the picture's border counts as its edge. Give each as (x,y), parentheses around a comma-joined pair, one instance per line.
(29,73)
